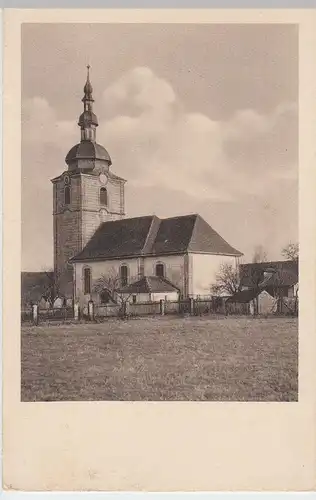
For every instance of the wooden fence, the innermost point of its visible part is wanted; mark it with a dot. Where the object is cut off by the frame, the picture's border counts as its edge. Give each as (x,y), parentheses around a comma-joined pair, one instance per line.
(183,307)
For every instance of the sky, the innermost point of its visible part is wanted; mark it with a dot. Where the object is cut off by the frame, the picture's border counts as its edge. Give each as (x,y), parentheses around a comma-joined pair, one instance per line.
(198,119)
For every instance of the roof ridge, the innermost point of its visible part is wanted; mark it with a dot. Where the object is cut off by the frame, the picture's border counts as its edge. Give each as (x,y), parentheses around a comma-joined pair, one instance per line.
(193,232)
(152,233)
(181,216)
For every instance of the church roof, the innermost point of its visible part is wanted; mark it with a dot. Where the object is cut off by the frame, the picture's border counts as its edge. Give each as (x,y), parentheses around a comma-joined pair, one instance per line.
(149,235)
(150,284)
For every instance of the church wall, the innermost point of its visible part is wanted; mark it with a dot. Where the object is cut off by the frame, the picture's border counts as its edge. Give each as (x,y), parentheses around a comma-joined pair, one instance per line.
(110,267)
(204,270)
(193,274)
(174,268)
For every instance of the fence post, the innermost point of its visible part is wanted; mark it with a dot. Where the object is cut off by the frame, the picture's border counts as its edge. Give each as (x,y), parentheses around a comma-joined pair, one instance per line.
(162,307)
(91,310)
(76,311)
(191,306)
(126,309)
(35,314)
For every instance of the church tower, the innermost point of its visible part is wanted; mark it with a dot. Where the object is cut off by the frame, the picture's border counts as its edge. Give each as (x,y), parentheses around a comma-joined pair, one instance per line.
(84,195)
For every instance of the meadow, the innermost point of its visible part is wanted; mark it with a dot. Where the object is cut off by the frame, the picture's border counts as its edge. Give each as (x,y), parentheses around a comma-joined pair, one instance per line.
(162,359)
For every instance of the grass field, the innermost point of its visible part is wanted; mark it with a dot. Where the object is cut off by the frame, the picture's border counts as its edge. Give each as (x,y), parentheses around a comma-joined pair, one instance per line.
(184,359)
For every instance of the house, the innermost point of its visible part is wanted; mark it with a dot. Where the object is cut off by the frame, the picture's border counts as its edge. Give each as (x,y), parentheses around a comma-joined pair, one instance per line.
(150,289)
(259,301)
(93,238)
(278,278)
(273,286)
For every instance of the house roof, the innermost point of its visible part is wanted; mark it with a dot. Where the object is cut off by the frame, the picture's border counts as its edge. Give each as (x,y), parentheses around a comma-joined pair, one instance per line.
(253,274)
(150,284)
(280,278)
(244,296)
(149,235)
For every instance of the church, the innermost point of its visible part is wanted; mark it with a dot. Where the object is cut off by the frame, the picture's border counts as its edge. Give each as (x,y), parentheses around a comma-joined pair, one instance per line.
(93,237)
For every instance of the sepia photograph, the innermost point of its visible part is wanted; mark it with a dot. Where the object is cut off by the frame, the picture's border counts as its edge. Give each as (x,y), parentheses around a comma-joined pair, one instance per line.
(159,212)
(159,239)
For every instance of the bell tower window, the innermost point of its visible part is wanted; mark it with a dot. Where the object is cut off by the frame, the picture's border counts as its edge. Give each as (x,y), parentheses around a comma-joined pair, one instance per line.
(103,196)
(67,195)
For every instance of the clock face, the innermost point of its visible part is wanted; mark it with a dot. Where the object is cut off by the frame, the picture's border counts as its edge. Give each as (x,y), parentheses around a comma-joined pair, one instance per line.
(66,180)
(103,178)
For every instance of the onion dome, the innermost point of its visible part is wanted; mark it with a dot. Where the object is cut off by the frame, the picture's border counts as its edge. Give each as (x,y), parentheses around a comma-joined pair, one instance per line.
(87,150)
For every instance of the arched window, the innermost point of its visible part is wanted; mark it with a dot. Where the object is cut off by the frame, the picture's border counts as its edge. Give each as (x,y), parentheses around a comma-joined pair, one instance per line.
(67,195)
(103,196)
(160,270)
(87,280)
(124,275)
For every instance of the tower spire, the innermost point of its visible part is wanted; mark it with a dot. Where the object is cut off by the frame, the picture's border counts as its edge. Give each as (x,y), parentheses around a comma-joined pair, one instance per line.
(88,120)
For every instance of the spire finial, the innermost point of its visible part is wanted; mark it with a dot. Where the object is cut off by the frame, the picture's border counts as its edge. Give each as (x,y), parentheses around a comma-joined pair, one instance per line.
(88,87)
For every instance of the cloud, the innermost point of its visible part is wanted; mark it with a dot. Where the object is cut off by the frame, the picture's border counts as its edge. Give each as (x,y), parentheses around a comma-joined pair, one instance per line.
(249,160)
(155,141)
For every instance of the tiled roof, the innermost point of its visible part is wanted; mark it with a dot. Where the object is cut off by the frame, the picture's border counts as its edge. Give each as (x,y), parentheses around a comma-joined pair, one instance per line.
(281,277)
(253,274)
(120,238)
(205,239)
(150,284)
(150,235)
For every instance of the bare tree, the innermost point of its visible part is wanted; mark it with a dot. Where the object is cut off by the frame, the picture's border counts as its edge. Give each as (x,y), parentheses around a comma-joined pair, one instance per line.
(227,280)
(260,254)
(291,252)
(111,283)
(53,288)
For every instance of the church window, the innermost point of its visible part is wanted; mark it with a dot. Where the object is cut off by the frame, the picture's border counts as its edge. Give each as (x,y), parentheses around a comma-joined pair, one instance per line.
(124,275)
(103,196)
(67,195)
(87,280)
(160,270)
